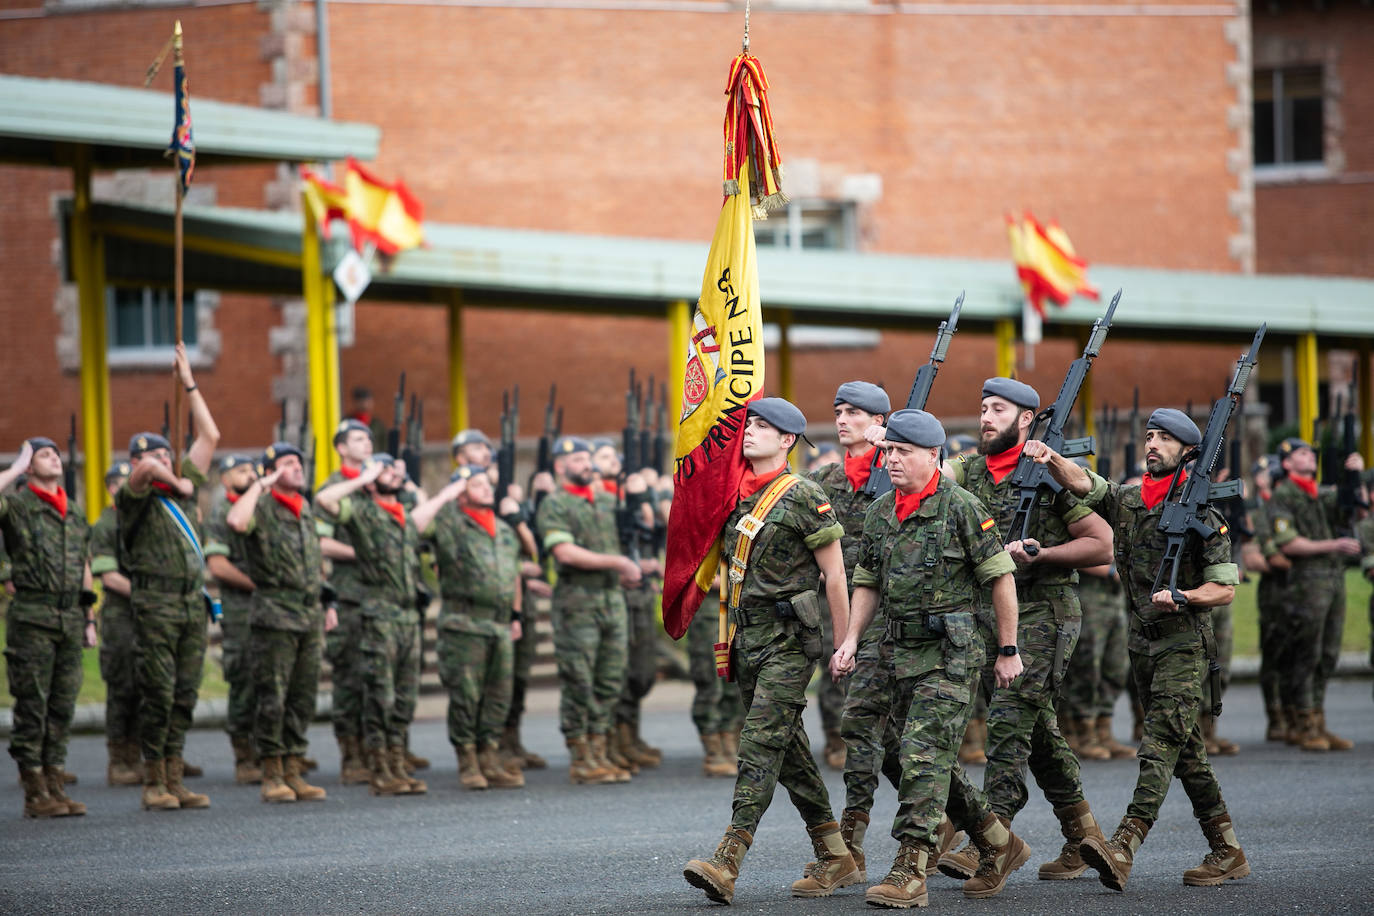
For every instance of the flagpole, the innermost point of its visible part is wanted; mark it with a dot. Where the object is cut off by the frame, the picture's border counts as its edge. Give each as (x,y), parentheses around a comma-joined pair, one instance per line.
(177,273)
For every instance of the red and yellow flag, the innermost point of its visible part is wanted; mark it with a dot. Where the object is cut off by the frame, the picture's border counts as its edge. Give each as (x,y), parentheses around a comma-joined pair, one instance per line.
(1047,264)
(385,214)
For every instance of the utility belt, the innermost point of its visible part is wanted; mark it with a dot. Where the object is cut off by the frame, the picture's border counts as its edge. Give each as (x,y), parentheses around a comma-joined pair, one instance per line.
(1183,623)
(464,608)
(60,600)
(167,585)
(291,595)
(923,627)
(801,614)
(1167,626)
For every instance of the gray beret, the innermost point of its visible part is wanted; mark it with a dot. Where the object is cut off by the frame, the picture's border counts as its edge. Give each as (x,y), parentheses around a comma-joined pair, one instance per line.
(466,472)
(779,413)
(41,442)
(915,427)
(117,470)
(1176,423)
(570,445)
(865,396)
(384,458)
(601,442)
(228,462)
(1267,463)
(279,450)
(146,442)
(347,426)
(1292,444)
(1019,393)
(960,443)
(468,437)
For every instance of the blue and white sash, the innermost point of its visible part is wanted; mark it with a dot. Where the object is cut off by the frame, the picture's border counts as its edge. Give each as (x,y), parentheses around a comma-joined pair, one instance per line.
(183,525)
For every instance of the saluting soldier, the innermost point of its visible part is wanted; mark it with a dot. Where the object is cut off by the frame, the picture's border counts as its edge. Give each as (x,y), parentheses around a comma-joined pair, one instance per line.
(117,645)
(1169,646)
(779,540)
(47,623)
(286,623)
(160,541)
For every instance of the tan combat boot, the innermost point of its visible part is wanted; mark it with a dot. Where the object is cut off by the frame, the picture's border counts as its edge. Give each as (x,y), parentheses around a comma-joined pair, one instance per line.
(905,884)
(616,756)
(353,768)
(729,743)
(947,837)
(1276,723)
(191,771)
(835,750)
(469,772)
(53,777)
(176,768)
(295,780)
(973,748)
(496,775)
(382,780)
(133,758)
(1088,748)
(633,749)
(1076,822)
(1105,738)
(247,771)
(1293,733)
(1001,853)
(596,751)
(1226,861)
(716,875)
(1336,742)
(397,757)
(528,759)
(1112,860)
(155,794)
(414,762)
(853,827)
(37,801)
(309,764)
(273,788)
(714,764)
(583,770)
(118,771)
(1310,737)
(649,756)
(834,866)
(961,865)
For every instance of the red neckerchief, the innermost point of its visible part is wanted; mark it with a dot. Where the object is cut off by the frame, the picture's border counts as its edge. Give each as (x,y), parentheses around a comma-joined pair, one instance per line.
(751,483)
(1000,465)
(1266,496)
(611,487)
(858,467)
(908,503)
(394,508)
(231,496)
(484,516)
(363,418)
(584,492)
(348,472)
(1153,492)
(1307,485)
(57,500)
(294,501)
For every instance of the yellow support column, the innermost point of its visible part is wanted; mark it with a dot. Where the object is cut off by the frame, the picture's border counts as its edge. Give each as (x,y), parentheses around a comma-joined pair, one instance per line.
(679,339)
(90,308)
(1308,380)
(1005,334)
(1364,394)
(316,326)
(100,451)
(457,367)
(334,392)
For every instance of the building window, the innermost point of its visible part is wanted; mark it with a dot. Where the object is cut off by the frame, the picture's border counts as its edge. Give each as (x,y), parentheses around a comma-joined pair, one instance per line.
(809,225)
(142,320)
(1288,116)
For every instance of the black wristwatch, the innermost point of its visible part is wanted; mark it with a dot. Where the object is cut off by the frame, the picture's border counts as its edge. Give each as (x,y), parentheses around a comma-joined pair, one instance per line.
(1007,650)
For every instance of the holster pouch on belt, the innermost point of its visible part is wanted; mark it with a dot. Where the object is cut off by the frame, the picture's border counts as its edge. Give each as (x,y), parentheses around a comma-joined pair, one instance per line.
(1068,632)
(805,609)
(1209,645)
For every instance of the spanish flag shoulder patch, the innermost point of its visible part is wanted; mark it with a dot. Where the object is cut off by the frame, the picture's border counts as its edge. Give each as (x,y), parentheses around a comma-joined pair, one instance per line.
(823,508)
(987,523)
(1224,529)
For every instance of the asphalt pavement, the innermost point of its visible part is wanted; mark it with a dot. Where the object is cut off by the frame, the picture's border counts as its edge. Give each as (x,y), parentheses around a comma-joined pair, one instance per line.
(1306,822)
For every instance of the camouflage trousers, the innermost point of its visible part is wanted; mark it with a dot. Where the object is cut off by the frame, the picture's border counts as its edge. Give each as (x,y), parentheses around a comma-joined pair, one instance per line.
(343,651)
(44,671)
(1312,628)
(286,680)
(829,695)
(716,703)
(1169,685)
(589,639)
(870,730)
(1272,634)
(1099,667)
(641,660)
(171,661)
(389,652)
(117,664)
(773,674)
(476,668)
(238,663)
(525,649)
(1225,637)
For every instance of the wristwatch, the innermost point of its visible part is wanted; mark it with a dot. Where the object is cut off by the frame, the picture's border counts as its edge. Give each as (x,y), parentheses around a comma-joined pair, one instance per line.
(1007,650)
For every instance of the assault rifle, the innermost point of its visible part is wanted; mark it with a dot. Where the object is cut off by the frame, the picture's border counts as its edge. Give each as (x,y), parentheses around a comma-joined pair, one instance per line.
(505,455)
(1128,456)
(1030,478)
(879,482)
(1349,494)
(69,469)
(393,435)
(662,443)
(629,436)
(412,447)
(306,442)
(1108,424)
(281,427)
(543,457)
(646,437)
(1234,509)
(166,421)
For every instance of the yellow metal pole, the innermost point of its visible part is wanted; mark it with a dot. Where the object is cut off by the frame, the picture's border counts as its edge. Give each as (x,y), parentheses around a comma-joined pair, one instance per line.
(88,302)
(1364,392)
(315,326)
(1307,386)
(333,393)
(99,451)
(457,366)
(679,339)
(1004,332)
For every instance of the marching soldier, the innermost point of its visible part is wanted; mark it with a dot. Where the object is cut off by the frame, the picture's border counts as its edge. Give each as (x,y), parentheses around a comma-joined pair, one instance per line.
(160,544)
(47,623)
(286,624)
(781,538)
(1098,669)
(1273,565)
(1169,646)
(226,558)
(117,646)
(471,448)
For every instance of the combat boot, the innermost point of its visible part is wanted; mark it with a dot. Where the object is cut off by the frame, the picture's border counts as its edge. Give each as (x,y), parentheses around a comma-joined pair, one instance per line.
(496,775)
(398,766)
(1001,852)
(961,865)
(834,750)
(53,777)
(616,756)
(353,768)
(295,780)
(1336,742)
(633,749)
(528,759)
(1105,738)
(1088,748)
(582,769)
(1076,822)
(1226,861)
(133,758)
(1293,733)
(155,794)
(176,768)
(117,771)
(905,884)
(1310,737)
(247,770)
(1214,744)
(37,801)
(853,826)
(414,761)
(1112,860)
(714,763)
(947,836)
(716,875)
(382,780)
(274,789)
(834,866)
(1276,724)
(191,771)
(729,744)
(596,751)
(973,748)
(469,772)
(649,756)
(309,764)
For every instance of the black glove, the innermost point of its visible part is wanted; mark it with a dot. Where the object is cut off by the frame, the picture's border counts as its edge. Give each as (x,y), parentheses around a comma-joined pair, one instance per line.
(423,596)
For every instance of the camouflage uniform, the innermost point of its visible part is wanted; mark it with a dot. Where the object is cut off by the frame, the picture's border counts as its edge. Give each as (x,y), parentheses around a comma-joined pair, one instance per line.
(769,658)
(389,651)
(342,646)
(523,652)
(1314,600)
(1168,668)
(589,616)
(1022,726)
(1099,667)
(716,704)
(641,655)
(44,624)
(167,575)
(118,648)
(286,634)
(1365,532)
(234,626)
(1270,603)
(930,566)
(477,581)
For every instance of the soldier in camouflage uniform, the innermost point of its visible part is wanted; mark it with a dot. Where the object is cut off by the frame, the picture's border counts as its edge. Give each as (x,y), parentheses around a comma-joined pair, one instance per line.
(1022,723)
(1304,521)
(47,623)
(1098,669)
(716,709)
(774,612)
(117,646)
(1170,648)
(478,556)
(1364,531)
(1272,566)
(926,550)
(160,541)
(226,558)
(286,623)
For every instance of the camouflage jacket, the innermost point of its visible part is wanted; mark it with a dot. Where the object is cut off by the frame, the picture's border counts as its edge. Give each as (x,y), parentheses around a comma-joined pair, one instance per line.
(1292,513)
(849,506)
(565,518)
(1365,532)
(478,573)
(388,554)
(1257,511)
(105,557)
(782,562)
(284,553)
(1100,595)
(221,540)
(152,543)
(344,575)
(48,556)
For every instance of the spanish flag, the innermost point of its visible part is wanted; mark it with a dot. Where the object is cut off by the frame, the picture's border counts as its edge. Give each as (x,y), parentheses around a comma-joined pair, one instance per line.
(1047,264)
(384,214)
(724,355)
